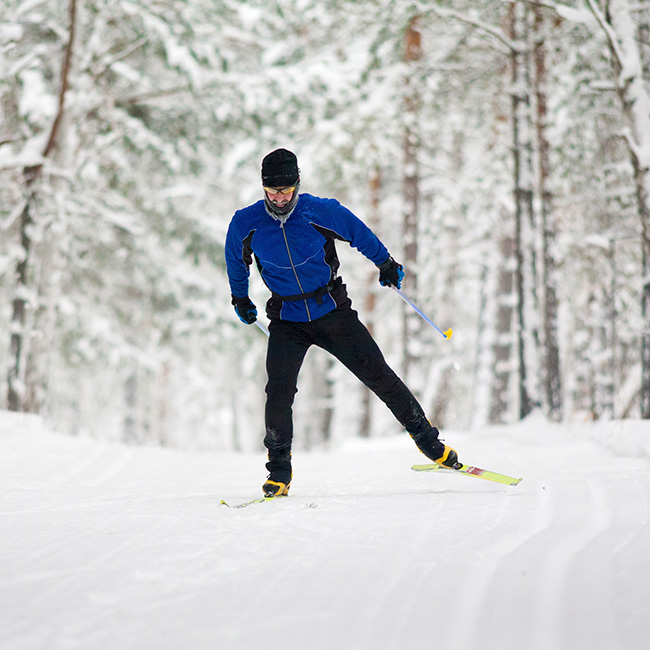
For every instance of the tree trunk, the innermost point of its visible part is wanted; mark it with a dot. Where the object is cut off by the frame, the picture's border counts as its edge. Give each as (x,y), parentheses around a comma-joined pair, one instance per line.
(130,422)
(411,196)
(523,191)
(550,358)
(327,418)
(374,186)
(20,306)
(635,100)
(30,338)
(503,340)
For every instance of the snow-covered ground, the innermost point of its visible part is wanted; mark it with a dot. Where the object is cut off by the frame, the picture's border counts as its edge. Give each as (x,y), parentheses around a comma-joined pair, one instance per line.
(110,547)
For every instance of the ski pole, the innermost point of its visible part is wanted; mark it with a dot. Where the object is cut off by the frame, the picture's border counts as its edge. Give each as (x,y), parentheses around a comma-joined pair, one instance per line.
(447,334)
(262,327)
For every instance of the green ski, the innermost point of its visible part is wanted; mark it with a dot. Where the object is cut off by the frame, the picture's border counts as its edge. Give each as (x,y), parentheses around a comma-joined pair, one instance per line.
(248,503)
(468,470)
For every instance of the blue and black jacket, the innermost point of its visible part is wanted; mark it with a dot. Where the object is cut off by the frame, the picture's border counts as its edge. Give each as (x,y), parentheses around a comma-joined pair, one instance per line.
(297,259)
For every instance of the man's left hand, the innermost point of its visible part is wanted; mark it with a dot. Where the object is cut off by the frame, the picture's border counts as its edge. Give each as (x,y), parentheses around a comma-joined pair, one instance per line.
(391,273)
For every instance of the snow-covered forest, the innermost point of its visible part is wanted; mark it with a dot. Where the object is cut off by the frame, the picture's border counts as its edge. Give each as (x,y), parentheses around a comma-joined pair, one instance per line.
(500,150)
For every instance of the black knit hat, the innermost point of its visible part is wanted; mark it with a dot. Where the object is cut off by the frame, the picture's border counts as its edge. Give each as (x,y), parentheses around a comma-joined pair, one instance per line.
(280,169)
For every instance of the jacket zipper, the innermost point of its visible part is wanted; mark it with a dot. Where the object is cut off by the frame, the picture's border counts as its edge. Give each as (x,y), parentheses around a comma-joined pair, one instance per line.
(286,242)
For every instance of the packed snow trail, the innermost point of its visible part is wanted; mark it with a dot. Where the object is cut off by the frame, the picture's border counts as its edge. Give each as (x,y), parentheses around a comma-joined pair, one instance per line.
(118,548)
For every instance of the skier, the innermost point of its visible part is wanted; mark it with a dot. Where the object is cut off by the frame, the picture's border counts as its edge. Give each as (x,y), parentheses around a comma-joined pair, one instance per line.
(292,237)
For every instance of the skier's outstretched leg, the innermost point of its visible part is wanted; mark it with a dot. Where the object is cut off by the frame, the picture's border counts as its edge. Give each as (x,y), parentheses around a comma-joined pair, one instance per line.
(344,336)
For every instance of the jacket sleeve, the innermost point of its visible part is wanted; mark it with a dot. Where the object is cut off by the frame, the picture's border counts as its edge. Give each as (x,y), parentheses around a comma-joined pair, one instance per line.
(238,258)
(348,227)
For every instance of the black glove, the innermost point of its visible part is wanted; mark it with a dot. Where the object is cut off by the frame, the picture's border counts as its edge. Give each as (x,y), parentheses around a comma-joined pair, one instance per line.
(245,309)
(391,273)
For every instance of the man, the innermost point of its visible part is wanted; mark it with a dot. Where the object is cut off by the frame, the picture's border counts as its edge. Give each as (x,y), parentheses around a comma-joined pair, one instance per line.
(292,237)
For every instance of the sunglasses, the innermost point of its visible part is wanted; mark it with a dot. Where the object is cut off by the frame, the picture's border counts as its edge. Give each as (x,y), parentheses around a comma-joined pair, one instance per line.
(279,190)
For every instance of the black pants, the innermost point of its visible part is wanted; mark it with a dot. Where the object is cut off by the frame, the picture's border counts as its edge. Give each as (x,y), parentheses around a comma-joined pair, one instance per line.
(343,335)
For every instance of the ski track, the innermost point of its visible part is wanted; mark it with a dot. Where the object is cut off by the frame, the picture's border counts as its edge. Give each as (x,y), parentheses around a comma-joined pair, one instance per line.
(557,548)
(559,581)
(109,547)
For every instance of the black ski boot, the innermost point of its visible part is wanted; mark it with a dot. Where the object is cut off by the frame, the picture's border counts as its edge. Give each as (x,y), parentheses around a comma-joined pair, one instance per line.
(436,450)
(279,479)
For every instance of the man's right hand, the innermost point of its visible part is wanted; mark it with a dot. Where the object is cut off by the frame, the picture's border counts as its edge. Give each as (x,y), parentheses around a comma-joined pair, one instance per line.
(245,309)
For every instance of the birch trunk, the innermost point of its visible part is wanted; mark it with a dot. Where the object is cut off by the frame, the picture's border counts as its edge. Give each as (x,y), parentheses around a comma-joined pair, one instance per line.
(622,34)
